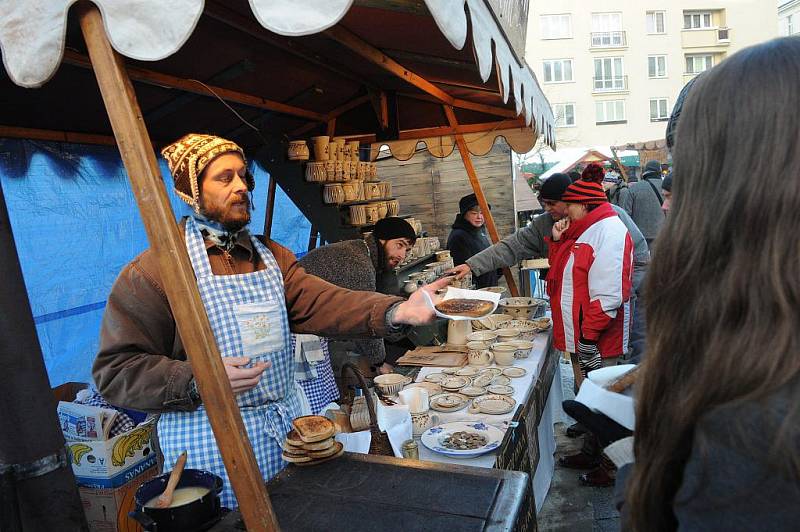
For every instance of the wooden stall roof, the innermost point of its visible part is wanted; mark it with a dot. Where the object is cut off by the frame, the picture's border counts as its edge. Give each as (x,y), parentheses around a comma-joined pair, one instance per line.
(286,86)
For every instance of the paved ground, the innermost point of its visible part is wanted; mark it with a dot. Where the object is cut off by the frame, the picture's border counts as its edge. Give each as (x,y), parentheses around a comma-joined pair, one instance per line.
(570,506)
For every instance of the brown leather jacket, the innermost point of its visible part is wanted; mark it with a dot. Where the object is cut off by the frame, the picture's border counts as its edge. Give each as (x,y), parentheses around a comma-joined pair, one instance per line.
(141,363)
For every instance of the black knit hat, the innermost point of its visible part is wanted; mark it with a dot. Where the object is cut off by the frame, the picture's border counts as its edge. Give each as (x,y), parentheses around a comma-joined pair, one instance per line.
(651,169)
(393,227)
(667,183)
(554,186)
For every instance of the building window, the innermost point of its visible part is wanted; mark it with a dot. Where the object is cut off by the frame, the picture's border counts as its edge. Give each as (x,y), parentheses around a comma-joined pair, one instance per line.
(698,63)
(609,74)
(555,26)
(607,30)
(655,22)
(787,25)
(558,70)
(564,114)
(696,20)
(658,110)
(657,66)
(610,111)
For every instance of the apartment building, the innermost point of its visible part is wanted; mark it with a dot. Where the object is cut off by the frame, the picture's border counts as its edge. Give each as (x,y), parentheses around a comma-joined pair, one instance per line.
(788,17)
(612,69)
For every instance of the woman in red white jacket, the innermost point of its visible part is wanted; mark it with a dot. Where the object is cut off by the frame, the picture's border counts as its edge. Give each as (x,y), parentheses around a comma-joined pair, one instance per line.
(589,283)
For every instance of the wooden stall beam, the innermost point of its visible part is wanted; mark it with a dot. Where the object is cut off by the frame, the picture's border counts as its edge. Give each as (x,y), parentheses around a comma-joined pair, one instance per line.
(476,187)
(179,280)
(463,129)
(187,85)
(465,104)
(56,136)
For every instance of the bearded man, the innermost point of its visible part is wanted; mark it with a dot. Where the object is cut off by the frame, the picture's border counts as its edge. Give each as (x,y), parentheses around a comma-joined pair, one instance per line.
(254,293)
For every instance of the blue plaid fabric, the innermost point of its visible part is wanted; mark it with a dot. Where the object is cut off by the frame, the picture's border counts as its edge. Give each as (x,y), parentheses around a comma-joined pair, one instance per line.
(320,390)
(248,317)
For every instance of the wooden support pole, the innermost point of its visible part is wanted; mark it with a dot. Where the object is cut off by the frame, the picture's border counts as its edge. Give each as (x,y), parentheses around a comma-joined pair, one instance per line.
(273,185)
(179,280)
(476,187)
(622,169)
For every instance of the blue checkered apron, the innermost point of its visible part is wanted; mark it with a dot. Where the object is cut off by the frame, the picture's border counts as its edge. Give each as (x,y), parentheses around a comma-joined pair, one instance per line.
(320,390)
(248,317)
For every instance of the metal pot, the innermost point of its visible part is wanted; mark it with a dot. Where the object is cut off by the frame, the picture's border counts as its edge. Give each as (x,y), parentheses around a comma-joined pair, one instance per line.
(199,514)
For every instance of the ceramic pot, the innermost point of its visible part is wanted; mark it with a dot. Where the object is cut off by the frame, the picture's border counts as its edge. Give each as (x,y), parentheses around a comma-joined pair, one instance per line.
(478,354)
(320,145)
(373,171)
(457,331)
(338,171)
(504,353)
(506,335)
(315,172)
(330,170)
(391,383)
(372,191)
(394,207)
(423,421)
(358,215)
(442,256)
(298,151)
(486,338)
(372,213)
(386,189)
(337,148)
(345,170)
(198,514)
(351,190)
(383,209)
(361,173)
(333,193)
(412,285)
(352,148)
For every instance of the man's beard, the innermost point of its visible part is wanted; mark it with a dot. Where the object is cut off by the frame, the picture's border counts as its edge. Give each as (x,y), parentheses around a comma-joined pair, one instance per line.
(224,215)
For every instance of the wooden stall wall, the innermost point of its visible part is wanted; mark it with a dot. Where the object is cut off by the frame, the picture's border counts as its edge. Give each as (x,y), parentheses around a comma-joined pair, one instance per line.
(429,188)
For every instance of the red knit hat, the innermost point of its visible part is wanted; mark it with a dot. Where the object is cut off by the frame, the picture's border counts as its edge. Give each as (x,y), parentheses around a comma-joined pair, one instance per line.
(588,189)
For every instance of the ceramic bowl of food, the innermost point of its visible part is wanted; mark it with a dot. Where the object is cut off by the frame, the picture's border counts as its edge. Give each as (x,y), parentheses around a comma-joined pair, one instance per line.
(521,307)
(391,383)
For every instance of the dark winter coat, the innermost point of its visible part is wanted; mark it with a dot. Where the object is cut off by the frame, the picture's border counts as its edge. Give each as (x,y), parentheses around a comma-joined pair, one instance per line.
(466,240)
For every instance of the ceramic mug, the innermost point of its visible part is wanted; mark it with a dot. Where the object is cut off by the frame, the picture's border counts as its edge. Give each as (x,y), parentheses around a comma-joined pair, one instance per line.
(298,151)
(352,147)
(358,215)
(315,172)
(504,353)
(321,147)
(383,209)
(422,422)
(346,170)
(337,148)
(333,193)
(394,207)
(478,355)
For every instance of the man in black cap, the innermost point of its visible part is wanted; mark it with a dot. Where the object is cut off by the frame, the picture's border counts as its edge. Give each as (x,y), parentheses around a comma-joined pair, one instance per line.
(666,191)
(645,200)
(468,237)
(356,265)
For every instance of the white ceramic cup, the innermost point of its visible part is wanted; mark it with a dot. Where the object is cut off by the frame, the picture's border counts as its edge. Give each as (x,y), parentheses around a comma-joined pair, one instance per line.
(504,353)
(478,354)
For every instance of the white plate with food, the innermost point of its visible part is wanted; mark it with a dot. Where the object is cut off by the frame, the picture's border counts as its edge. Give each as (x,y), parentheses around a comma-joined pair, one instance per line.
(493,404)
(448,402)
(460,304)
(462,439)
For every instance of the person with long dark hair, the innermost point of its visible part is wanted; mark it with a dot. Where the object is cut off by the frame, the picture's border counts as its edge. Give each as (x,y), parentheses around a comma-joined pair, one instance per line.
(717,438)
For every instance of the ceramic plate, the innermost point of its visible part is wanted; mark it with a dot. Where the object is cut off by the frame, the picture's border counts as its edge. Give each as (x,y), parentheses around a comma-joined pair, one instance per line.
(482,381)
(500,389)
(449,371)
(454,382)
(472,391)
(432,387)
(435,377)
(494,404)
(448,402)
(542,323)
(467,371)
(514,372)
(494,372)
(517,323)
(433,437)
(502,380)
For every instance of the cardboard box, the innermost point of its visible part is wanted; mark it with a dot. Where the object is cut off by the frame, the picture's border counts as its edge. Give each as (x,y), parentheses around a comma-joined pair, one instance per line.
(109,463)
(107,509)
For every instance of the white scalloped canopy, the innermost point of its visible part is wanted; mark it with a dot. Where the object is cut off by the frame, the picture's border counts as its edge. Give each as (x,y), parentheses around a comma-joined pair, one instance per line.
(32,36)
(521,140)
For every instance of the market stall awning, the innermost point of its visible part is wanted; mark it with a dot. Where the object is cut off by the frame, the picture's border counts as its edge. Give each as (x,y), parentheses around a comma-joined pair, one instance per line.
(285,66)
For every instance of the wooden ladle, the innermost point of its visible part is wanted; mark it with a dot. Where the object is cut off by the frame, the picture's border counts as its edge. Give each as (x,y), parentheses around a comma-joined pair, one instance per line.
(165,499)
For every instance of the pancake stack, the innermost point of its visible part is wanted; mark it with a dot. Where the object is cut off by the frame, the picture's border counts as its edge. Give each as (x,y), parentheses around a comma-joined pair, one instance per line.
(311,441)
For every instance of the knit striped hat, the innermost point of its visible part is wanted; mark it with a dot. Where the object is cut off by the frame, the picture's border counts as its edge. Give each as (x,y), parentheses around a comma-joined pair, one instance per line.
(588,189)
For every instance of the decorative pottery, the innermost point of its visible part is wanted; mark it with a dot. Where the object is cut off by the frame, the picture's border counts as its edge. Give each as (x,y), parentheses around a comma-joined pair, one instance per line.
(315,172)
(383,210)
(504,353)
(352,149)
(352,190)
(435,377)
(500,389)
(442,256)
(358,214)
(422,421)
(320,145)
(386,188)
(337,148)
(472,391)
(434,438)
(362,171)
(478,354)
(372,213)
(493,404)
(333,193)
(330,170)
(373,171)
(506,334)
(393,206)
(391,383)
(339,171)
(372,191)
(521,307)
(486,338)
(449,402)
(298,151)
(453,383)
(514,373)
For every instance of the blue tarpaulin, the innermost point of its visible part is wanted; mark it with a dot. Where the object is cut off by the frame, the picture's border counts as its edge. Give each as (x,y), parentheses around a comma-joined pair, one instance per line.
(76,225)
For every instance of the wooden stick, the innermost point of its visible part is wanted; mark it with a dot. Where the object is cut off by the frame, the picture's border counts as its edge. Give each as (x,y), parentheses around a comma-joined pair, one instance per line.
(173,82)
(619,163)
(273,185)
(476,187)
(179,280)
